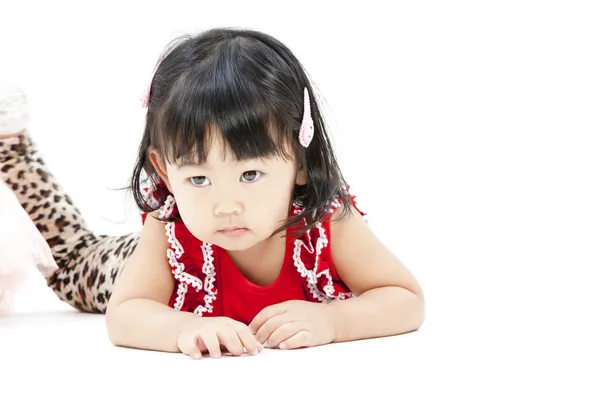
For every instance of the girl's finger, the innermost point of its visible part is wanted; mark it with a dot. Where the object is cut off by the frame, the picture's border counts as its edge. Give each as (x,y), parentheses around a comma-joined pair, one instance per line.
(197,348)
(267,329)
(211,342)
(230,339)
(248,340)
(284,332)
(300,339)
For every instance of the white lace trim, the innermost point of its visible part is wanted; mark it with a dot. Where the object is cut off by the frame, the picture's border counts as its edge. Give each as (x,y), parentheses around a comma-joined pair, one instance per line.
(335,204)
(208,268)
(311,276)
(167,208)
(173,254)
(181,291)
(175,245)
(148,190)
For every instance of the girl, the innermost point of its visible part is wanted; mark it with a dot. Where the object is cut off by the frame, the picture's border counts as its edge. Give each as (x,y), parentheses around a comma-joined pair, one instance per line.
(250,234)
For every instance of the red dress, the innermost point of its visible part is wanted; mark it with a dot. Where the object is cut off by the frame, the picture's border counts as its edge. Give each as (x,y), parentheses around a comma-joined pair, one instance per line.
(208,283)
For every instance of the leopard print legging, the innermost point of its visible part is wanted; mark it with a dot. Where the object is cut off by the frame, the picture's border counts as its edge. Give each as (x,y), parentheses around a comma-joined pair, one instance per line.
(88,263)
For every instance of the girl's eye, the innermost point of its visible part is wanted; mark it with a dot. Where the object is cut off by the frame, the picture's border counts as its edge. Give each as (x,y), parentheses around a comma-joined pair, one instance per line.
(251,176)
(200,181)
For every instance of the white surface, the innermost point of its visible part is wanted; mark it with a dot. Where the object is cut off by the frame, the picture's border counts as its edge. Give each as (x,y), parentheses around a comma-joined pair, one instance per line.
(49,349)
(480,117)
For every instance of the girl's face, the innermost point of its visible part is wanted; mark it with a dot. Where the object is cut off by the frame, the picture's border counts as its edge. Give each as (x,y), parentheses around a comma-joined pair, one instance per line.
(232,204)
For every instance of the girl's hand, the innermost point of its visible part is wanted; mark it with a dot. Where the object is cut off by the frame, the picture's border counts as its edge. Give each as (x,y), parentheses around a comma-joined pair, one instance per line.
(293,324)
(212,334)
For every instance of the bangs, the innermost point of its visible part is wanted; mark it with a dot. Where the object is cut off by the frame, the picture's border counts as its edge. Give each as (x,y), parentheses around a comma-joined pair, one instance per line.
(223,95)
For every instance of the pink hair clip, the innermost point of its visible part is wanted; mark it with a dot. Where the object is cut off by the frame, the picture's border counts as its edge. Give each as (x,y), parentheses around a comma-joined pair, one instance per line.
(145,99)
(307,128)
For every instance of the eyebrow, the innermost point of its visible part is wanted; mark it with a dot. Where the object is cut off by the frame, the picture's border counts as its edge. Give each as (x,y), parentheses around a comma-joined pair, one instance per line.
(191,164)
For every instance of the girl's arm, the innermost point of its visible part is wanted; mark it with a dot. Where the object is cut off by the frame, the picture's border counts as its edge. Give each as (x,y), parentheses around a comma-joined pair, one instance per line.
(389,299)
(138,314)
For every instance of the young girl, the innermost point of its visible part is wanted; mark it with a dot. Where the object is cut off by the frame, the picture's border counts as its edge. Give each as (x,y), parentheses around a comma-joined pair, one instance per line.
(250,235)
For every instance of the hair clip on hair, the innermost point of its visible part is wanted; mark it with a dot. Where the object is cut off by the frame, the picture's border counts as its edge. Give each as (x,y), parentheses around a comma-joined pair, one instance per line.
(307,128)
(145,99)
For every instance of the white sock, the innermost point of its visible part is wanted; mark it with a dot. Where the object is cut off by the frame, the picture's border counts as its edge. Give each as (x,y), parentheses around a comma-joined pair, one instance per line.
(14,108)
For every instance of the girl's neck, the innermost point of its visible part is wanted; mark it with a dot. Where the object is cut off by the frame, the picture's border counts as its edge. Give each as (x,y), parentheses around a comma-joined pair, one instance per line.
(262,263)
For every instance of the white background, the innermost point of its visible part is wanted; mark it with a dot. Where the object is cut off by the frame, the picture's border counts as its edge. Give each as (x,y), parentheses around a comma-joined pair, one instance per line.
(469,129)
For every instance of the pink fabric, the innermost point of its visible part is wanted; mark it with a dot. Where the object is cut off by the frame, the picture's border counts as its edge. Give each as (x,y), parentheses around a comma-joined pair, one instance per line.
(22,248)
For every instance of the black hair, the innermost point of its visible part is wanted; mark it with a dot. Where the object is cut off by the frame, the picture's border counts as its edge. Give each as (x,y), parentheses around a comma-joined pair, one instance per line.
(251,87)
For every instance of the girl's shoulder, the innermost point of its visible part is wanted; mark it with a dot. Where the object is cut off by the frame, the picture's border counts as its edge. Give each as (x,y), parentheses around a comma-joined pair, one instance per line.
(335,209)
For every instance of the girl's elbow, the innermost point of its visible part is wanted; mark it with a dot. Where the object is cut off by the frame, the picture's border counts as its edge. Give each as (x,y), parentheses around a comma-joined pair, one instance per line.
(113,324)
(413,314)
(419,311)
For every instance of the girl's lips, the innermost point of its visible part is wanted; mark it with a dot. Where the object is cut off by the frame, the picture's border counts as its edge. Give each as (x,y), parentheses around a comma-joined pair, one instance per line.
(233,232)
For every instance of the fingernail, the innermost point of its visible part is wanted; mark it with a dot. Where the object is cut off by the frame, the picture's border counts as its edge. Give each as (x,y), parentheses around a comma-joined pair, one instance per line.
(283,346)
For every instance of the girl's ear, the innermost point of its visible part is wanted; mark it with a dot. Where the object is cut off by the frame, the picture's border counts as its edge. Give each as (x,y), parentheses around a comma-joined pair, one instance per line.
(160,167)
(301,176)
